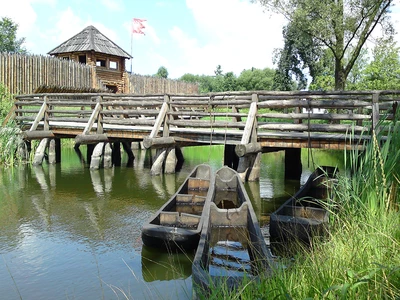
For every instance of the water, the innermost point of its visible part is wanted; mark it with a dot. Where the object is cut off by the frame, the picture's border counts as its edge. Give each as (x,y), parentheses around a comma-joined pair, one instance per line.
(70,233)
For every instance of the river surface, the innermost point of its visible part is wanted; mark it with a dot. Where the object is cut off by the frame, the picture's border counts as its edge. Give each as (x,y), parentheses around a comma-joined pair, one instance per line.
(67,232)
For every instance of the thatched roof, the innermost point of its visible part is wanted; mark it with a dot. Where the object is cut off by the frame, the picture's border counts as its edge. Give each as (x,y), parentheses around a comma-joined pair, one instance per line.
(90,39)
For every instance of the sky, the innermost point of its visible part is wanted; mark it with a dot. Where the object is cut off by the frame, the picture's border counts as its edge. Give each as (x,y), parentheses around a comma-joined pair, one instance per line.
(184,36)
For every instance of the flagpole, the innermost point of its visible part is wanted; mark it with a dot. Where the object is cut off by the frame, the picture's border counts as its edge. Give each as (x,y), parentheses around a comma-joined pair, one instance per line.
(131,49)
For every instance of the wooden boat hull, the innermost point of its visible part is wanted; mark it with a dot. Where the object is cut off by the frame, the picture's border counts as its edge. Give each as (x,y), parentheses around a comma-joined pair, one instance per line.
(231,247)
(170,238)
(178,223)
(304,215)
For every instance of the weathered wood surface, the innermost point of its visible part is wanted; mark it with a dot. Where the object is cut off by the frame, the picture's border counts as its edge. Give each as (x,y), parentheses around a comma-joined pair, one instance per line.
(273,120)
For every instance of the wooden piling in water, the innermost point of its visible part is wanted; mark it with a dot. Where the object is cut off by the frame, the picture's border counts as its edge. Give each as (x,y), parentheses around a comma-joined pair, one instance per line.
(293,166)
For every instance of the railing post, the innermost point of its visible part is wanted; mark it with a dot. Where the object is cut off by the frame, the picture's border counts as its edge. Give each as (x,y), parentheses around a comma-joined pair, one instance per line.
(99,100)
(46,125)
(249,166)
(375,112)
(166,119)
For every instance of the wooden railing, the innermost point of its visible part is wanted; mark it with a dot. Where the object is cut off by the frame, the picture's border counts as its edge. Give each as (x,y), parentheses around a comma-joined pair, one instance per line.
(231,118)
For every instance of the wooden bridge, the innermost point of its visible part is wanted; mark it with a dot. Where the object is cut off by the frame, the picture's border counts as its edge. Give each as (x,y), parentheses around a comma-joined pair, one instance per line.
(246,123)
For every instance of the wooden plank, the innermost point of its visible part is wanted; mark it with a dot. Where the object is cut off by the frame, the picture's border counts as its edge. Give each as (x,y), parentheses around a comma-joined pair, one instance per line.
(314,104)
(314,116)
(159,120)
(39,116)
(92,118)
(313,127)
(249,123)
(375,112)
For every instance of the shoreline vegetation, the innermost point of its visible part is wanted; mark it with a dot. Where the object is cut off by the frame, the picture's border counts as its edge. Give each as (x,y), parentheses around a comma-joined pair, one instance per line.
(360,259)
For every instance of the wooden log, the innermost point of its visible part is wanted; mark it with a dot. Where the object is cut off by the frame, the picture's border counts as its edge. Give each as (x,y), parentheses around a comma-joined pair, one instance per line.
(246,149)
(248,130)
(37,134)
(39,116)
(84,139)
(92,118)
(159,121)
(156,168)
(108,156)
(52,152)
(313,127)
(255,170)
(314,103)
(305,116)
(293,166)
(40,152)
(206,124)
(96,156)
(375,112)
(159,142)
(140,122)
(170,162)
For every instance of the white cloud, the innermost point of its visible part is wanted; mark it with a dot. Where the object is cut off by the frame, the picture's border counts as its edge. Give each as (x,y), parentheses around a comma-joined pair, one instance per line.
(21,12)
(239,36)
(114,5)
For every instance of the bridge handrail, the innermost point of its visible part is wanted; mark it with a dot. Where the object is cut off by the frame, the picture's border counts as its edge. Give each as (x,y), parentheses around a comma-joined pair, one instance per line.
(290,112)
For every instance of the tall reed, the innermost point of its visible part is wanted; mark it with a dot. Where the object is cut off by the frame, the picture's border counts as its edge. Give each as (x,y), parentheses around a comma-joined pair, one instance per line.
(361,257)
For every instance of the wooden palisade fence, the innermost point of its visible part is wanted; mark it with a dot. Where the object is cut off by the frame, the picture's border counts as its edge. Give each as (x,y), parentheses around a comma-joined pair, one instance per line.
(27,74)
(247,123)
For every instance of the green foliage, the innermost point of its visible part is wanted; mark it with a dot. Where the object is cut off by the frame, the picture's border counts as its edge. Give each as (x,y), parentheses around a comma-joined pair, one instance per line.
(256,79)
(300,52)
(383,72)
(342,27)
(5,102)
(249,80)
(162,72)
(9,136)
(218,71)
(8,37)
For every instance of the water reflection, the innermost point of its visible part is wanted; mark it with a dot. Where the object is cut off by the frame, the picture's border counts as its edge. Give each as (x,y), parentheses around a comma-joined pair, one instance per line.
(160,265)
(66,229)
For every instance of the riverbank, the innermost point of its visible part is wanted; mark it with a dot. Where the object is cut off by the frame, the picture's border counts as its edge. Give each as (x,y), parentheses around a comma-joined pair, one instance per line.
(360,259)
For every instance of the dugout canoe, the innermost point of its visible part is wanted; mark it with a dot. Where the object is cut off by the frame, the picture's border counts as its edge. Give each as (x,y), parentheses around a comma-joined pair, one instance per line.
(231,248)
(305,214)
(178,223)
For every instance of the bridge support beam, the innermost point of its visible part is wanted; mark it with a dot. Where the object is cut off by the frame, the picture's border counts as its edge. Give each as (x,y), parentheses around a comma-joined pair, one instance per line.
(129,152)
(167,160)
(249,167)
(90,149)
(40,152)
(156,168)
(108,156)
(230,158)
(96,156)
(54,151)
(170,161)
(293,166)
(116,154)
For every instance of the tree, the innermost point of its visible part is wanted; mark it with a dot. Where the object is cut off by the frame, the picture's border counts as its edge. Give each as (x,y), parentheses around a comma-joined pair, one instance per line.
(383,72)
(342,26)
(8,37)
(162,72)
(300,52)
(218,71)
(256,79)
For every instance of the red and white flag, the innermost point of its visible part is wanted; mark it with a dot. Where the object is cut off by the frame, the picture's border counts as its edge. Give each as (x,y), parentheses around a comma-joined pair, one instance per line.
(138,26)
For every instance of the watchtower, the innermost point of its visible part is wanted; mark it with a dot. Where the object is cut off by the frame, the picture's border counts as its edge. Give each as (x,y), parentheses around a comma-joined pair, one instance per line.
(92,47)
